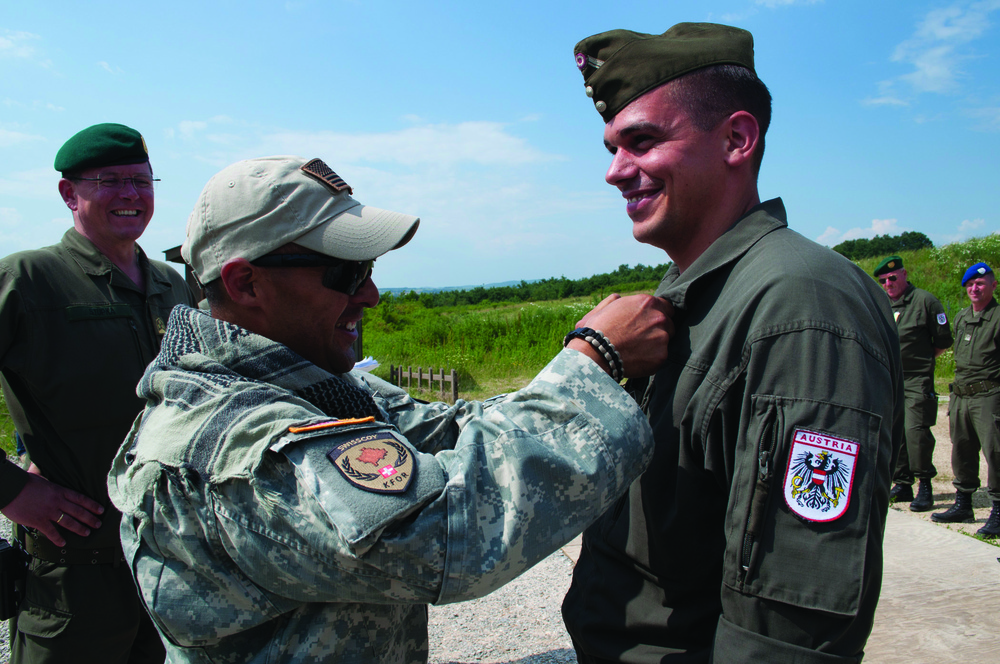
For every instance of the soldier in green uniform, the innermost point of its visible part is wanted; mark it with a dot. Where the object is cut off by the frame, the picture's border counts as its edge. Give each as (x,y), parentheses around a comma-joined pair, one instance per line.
(280,506)
(79,322)
(756,533)
(924,334)
(974,408)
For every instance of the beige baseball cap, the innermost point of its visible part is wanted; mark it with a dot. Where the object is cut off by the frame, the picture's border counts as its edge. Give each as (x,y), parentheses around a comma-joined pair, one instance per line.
(252,207)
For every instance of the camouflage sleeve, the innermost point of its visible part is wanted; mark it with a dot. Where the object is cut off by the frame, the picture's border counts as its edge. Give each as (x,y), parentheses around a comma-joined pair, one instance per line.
(358,514)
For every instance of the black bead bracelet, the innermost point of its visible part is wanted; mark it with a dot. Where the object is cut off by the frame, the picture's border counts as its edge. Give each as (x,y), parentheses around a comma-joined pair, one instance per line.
(601,344)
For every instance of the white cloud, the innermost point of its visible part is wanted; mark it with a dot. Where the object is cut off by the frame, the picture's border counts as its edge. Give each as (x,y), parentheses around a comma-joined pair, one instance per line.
(438,146)
(9,217)
(832,236)
(17,44)
(9,138)
(935,51)
(990,118)
(108,68)
(774,4)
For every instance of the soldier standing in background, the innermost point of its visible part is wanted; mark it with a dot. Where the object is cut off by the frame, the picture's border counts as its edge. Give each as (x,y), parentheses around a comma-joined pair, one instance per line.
(79,322)
(974,407)
(924,334)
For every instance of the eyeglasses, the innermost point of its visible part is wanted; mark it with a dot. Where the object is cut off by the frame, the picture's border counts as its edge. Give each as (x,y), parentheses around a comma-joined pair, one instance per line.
(342,276)
(891,277)
(115,183)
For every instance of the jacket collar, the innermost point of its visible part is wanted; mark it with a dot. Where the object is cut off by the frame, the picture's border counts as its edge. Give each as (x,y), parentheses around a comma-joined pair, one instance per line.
(90,259)
(760,220)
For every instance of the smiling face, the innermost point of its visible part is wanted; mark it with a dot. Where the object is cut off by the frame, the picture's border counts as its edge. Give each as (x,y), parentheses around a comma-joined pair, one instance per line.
(671,173)
(109,217)
(318,323)
(980,290)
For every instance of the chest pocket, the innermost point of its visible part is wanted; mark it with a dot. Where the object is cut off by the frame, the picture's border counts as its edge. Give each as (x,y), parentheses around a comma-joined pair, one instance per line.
(362,507)
(794,535)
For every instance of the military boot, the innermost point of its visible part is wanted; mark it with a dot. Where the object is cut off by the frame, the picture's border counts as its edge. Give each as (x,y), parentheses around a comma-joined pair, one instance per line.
(900,493)
(925,497)
(960,512)
(992,527)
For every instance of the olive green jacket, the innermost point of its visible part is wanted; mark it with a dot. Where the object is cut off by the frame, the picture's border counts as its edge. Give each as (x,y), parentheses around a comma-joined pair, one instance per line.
(75,338)
(977,344)
(923,328)
(756,533)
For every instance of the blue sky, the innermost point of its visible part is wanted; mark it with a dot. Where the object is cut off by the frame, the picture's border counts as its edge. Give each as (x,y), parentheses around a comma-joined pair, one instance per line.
(473,116)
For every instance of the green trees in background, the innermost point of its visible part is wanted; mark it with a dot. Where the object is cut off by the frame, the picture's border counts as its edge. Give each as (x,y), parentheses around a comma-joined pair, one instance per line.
(883,245)
(625,278)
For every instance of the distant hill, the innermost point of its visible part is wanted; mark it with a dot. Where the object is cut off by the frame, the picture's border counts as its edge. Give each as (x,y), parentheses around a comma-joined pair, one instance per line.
(418,291)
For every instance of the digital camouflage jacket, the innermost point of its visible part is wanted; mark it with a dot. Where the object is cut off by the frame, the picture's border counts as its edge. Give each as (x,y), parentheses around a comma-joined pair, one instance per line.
(274,512)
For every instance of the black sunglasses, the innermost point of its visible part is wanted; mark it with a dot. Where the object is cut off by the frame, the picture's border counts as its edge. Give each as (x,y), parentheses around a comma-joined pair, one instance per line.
(341,275)
(891,277)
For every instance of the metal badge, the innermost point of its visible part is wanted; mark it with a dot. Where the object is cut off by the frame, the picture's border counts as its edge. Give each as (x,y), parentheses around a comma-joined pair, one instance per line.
(374,462)
(318,170)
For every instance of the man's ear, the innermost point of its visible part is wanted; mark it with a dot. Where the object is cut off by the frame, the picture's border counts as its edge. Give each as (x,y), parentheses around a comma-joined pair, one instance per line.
(742,137)
(240,278)
(68,192)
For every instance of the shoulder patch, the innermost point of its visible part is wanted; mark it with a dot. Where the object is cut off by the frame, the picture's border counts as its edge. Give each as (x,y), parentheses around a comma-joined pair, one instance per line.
(942,319)
(374,462)
(819,475)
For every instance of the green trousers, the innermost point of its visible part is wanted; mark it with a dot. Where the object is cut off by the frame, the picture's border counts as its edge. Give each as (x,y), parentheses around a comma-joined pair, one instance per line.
(975,426)
(917,452)
(85,614)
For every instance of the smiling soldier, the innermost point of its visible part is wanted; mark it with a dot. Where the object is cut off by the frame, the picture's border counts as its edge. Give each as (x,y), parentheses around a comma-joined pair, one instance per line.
(756,533)
(79,322)
(283,508)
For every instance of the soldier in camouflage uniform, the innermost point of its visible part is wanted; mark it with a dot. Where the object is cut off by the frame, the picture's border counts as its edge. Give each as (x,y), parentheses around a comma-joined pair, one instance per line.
(756,533)
(280,508)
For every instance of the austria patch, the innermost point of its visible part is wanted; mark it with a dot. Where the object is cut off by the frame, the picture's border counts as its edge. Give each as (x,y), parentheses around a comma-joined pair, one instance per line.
(374,462)
(942,319)
(819,476)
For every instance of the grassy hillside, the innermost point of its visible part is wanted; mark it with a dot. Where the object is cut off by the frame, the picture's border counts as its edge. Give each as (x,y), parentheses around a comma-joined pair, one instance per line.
(498,347)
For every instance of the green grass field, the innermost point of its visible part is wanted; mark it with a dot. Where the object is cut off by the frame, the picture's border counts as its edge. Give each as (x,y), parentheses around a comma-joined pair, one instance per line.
(499,348)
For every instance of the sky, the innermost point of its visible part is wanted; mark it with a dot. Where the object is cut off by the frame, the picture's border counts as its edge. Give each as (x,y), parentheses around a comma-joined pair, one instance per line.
(473,117)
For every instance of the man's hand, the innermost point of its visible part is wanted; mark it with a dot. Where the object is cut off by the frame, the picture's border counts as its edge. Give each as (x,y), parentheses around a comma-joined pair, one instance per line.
(43,505)
(640,326)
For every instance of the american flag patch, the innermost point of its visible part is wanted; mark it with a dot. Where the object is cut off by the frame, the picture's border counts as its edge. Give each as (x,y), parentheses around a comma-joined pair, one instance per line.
(318,169)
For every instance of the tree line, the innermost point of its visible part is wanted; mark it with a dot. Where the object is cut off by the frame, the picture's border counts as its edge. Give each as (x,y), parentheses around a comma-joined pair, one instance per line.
(624,278)
(881,246)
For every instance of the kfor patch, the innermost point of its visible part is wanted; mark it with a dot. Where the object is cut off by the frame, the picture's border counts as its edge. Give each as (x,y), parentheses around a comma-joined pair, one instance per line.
(374,462)
(820,474)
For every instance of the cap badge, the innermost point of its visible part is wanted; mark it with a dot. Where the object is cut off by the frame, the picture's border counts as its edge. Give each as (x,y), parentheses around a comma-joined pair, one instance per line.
(144,148)
(981,270)
(891,264)
(318,170)
(582,60)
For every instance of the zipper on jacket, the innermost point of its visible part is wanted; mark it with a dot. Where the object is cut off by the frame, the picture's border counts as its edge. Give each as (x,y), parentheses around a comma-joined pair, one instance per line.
(766,446)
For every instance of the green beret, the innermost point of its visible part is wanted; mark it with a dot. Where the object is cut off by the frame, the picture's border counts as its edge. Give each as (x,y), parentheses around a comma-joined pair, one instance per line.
(620,66)
(890,264)
(106,144)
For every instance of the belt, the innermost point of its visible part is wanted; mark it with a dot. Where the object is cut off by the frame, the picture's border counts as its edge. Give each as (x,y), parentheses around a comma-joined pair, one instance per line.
(39,547)
(969,389)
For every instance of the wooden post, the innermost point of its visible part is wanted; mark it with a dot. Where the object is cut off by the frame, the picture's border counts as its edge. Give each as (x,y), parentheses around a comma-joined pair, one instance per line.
(454,386)
(441,376)
(409,375)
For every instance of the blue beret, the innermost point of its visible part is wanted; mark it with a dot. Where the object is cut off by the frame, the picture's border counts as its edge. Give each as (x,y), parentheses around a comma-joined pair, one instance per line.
(977,270)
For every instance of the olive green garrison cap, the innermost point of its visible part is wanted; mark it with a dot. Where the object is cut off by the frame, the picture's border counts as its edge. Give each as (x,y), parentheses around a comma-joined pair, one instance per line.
(106,144)
(620,66)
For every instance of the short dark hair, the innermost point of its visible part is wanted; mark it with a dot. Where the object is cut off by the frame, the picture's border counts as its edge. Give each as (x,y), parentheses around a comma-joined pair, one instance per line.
(711,94)
(215,292)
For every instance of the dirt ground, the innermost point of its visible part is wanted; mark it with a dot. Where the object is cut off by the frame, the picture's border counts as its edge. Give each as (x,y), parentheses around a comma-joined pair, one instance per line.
(944,491)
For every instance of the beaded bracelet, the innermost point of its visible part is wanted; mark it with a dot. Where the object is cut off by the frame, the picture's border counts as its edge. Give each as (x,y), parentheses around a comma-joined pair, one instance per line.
(601,344)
